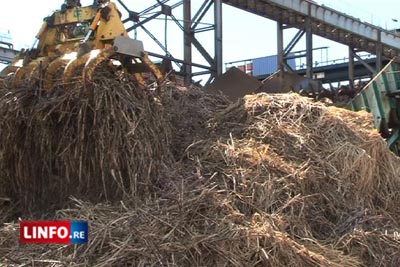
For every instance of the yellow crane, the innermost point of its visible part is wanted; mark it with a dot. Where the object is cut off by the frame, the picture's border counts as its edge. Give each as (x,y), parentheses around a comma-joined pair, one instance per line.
(72,43)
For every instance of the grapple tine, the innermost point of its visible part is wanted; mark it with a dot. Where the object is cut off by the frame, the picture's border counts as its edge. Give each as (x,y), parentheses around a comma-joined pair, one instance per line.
(16,81)
(156,71)
(8,73)
(7,77)
(96,58)
(35,76)
(23,73)
(71,68)
(139,78)
(54,68)
(8,70)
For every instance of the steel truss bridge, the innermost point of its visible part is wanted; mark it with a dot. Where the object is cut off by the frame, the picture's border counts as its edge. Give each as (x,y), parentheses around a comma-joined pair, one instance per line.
(307,16)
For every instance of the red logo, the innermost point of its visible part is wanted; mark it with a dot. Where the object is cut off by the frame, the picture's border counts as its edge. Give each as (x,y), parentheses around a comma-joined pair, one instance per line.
(53,232)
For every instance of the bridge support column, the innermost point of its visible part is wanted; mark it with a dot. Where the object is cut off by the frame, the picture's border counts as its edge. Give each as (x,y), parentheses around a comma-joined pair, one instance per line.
(218,36)
(309,49)
(187,40)
(284,53)
(281,62)
(351,68)
(379,52)
(193,25)
(280,47)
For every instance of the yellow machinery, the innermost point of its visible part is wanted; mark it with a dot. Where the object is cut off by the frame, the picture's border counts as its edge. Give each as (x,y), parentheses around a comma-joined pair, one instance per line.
(72,43)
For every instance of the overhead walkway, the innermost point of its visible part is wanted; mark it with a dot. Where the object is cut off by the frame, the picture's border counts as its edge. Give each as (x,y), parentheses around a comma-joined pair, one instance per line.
(325,22)
(7,52)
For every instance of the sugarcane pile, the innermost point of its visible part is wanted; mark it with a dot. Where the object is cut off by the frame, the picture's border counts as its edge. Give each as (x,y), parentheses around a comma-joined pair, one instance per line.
(75,142)
(175,177)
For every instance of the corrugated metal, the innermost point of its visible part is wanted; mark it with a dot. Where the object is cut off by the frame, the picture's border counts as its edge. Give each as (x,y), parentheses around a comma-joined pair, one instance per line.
(268,65)
(265,65)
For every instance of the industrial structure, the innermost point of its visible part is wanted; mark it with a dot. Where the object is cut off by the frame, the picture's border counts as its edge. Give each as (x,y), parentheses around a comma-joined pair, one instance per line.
(305,15)
(7,51)
(102,36)
(325,69)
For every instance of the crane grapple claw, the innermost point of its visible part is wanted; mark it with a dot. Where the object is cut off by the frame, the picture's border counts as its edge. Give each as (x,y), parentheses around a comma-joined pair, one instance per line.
(70,50)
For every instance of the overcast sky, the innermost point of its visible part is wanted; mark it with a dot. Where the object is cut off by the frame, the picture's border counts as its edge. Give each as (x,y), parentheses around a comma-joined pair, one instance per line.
(245,35)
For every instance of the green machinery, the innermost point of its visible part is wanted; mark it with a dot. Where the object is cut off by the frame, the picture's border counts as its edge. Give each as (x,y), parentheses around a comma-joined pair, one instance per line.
(381,97)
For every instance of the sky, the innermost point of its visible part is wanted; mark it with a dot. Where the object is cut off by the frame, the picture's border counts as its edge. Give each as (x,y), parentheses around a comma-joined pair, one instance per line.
(245,35)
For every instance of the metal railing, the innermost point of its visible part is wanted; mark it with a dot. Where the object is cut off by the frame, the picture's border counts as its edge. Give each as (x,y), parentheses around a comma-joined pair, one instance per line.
(358,12)
(5,39)
(302,66)
(322,60)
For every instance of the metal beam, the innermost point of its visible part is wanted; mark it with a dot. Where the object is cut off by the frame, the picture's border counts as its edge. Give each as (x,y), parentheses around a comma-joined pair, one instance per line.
(309,49)
(280,58)
(218,36)
(284,53)
(294,41)
(151,8)
(203,51)
(288,67)
(201,13)
(140,23)
(124,6)
(280,47)
(324,17)
(204,29)
(187,42)
(365,64)
(351,67)
(201,73)
(190,27)
(379,52)
(154,39)
(178,4)
(179,61)
(160,45)
(178,23)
